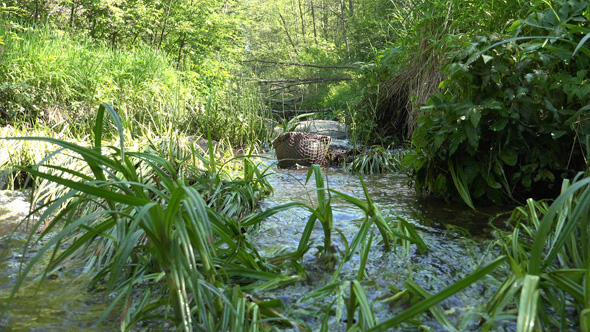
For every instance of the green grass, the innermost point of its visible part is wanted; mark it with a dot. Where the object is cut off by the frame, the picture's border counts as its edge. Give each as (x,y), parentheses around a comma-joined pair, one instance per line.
(548,253)
(49,75)
(376,159)
(166,229)
(135,220)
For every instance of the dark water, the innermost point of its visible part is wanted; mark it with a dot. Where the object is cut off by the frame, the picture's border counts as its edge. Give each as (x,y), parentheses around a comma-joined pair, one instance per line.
(457,237)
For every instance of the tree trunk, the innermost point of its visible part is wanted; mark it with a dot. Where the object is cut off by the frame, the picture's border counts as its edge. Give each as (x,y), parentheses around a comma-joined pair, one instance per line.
(288,35)
(165,24)
(36,14)
(72,13)
(325,19)
(114,39)
(345,35)
(315,34)
(302,21)
(180,51)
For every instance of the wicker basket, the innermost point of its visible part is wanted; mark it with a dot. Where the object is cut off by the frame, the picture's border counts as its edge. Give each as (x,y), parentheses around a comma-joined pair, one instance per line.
(301,148)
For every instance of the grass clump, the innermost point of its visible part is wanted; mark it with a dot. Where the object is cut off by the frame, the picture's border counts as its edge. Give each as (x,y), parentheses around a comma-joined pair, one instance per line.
(52,76)
(376,159)
(548,254)
(135,220)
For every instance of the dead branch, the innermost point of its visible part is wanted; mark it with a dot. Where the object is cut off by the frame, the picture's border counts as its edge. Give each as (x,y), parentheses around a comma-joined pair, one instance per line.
(295,112)
(297,81)
(301,64)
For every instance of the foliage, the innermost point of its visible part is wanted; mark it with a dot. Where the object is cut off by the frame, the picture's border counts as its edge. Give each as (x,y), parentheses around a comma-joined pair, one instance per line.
(197,30)
(376,159)
(52,76)
(140,222)
(548,255)
(512,115)
(406,70)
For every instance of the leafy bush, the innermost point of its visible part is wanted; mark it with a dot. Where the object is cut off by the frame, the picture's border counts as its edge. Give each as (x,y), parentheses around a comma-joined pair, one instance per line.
(511,119)
(407,71)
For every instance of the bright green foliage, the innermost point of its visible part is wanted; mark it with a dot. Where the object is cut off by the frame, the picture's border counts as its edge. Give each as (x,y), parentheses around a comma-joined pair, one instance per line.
(136,219)
(52,75)
(549,257)
(49,75)
(376,159)
(199,29)
(156,62)
(511,118)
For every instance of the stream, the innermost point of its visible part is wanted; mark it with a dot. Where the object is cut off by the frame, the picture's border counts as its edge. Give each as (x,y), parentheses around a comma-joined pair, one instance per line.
(458,240)
(457,237)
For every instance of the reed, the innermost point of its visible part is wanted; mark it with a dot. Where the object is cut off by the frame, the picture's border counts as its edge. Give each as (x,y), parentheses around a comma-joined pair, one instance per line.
(548,255)
(54,77)
(133,218)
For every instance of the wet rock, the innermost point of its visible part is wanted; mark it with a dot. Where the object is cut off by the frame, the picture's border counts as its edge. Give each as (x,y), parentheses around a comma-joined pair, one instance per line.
(334,129)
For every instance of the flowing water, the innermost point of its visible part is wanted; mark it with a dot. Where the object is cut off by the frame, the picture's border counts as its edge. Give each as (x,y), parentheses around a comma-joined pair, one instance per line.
(458,241)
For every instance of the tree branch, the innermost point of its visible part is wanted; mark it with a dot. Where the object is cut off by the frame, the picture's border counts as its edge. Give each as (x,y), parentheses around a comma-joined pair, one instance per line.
(296,81)
(301,64)
(294,112)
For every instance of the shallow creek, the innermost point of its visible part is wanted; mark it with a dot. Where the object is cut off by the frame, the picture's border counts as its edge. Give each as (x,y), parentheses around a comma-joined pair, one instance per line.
(62,303)
(458,241)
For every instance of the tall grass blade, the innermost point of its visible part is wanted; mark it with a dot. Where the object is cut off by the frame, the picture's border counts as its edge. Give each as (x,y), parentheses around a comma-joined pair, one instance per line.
(536,263)
(580,44)
(527,308)
(435,310)
(438,297)
(366,315)
(459,180)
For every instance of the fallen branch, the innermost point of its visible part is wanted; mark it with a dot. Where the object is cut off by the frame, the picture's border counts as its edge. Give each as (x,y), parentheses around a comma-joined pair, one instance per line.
(285,112)
(305,80)
(301,64)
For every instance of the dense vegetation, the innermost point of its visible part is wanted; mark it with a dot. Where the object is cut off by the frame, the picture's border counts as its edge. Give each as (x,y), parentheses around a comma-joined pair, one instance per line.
(490,98)
(511,118)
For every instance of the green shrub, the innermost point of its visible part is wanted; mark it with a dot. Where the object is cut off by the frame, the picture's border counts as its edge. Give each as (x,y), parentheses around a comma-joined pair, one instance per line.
(511,119)
(377,159)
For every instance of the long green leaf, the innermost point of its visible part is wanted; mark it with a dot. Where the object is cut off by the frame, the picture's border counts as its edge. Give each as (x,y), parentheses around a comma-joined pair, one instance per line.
(435,310)
(91,190)
(535,263)
(581,43)
(438,297)
(527,308)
